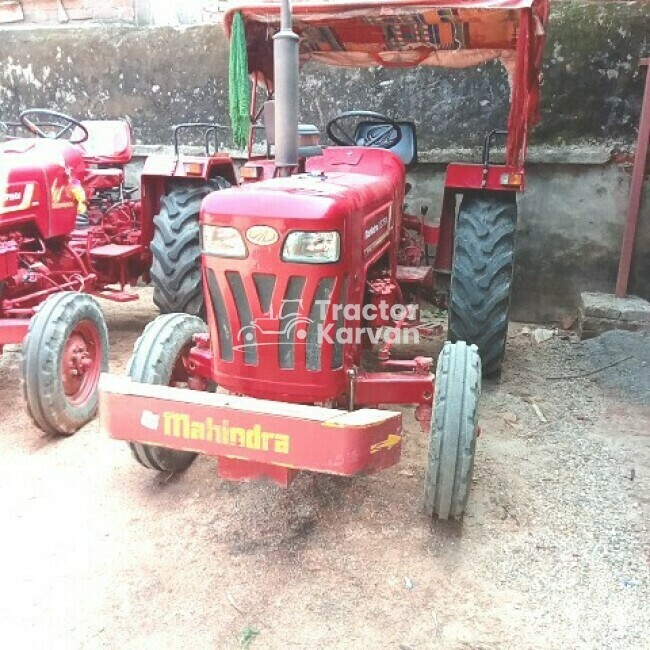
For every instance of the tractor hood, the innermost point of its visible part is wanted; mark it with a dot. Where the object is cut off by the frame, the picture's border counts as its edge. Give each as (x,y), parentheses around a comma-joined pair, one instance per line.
(35,184)
(37,153)
(342,183)
(259,295)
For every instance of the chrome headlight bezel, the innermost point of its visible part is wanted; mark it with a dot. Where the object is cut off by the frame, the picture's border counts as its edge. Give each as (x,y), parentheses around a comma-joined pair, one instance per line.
(297,244)
(223,241)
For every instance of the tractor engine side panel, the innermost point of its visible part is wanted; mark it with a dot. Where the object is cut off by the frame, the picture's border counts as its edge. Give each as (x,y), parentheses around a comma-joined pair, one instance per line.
(35,186)
(21,200)
(8,261)
(59,219)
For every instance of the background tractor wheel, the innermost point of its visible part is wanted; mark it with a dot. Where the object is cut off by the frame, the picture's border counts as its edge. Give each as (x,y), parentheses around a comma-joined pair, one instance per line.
(176,268)
(452,440)
(481,279)
(64,352)
(158,359)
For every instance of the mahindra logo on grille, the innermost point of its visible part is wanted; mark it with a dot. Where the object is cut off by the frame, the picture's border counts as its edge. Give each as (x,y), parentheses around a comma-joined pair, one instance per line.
(262,235)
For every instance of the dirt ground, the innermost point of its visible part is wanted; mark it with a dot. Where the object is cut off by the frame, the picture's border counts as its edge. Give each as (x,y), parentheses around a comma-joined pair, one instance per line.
(97,552)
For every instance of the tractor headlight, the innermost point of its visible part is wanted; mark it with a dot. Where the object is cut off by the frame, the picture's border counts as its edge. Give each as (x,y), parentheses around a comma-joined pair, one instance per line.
(312,247)
(223,241)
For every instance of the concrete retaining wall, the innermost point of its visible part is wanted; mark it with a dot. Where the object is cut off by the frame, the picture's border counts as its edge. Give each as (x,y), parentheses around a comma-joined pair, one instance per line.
(162,75)
(569,231)
(569,234)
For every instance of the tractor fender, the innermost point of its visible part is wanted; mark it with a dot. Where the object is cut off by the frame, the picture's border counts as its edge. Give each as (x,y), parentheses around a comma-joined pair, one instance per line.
(162,171)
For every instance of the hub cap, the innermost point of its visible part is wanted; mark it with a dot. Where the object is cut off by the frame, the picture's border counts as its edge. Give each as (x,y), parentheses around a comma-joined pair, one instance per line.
(81,363)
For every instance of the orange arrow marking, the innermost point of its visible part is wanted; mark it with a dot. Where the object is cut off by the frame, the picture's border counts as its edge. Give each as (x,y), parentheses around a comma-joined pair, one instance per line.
(389,443)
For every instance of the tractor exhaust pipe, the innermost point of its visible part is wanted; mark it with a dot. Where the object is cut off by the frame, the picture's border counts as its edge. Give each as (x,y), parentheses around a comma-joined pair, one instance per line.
(285,72)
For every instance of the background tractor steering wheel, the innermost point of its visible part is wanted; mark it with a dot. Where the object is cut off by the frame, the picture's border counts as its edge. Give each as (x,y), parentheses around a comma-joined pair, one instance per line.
(385,135)
(64,124)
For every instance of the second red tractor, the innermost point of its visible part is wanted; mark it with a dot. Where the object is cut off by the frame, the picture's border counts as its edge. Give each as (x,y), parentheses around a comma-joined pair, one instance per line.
(71,229)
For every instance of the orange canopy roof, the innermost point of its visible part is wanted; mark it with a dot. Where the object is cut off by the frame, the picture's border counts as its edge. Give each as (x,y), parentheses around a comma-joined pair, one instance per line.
(397,33)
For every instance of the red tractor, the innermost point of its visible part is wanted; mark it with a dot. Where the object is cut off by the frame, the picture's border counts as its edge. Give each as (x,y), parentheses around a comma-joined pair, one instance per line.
(315,245)
(70,229)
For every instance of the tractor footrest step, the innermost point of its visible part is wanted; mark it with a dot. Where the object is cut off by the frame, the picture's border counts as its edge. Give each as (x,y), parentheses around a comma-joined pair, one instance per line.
(115,251)
(414,274)
(117,295)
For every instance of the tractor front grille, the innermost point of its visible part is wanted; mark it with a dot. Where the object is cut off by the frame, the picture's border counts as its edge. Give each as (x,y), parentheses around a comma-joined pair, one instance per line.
(267,321)
(289,315)
(245,314)
(221,318)
(312,342)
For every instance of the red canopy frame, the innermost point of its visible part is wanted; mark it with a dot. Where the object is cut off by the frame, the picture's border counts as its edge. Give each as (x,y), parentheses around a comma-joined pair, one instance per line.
(410,33)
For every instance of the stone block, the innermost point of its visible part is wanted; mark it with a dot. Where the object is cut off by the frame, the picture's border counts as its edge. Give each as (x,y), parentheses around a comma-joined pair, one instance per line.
(600,312)
(601,305)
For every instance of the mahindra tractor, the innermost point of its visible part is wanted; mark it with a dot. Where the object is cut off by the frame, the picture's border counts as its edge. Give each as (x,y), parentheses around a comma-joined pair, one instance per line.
(313,255)
(70,230)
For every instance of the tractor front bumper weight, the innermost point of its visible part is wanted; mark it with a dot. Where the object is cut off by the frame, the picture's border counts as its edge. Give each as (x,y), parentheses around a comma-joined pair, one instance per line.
(262,432)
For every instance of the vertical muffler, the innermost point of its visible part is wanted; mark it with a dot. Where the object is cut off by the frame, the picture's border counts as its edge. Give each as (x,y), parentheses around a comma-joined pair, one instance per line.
(285,72)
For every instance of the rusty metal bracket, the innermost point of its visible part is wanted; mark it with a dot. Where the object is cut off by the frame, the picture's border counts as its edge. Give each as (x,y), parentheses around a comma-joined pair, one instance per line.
(640,157)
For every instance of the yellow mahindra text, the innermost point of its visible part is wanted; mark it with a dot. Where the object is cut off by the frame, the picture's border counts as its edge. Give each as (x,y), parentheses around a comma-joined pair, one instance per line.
(179,425)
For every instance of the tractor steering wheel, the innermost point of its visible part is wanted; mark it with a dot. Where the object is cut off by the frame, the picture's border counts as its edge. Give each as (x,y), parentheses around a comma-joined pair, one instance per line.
(385,135)
(64,123)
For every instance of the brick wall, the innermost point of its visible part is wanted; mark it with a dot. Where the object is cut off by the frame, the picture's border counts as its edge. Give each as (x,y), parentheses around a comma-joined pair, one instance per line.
(142,12)
(179,12)
(52,12)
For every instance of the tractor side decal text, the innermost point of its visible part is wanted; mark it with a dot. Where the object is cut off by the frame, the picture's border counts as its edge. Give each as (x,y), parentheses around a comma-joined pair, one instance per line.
(17,197)
(180,425)
(377,229)
(374,229)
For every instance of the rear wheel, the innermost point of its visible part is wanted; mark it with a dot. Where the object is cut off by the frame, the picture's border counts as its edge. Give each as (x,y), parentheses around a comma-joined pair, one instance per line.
(64,352)
(454,427)
(159,358)
(481,279)
(176,268)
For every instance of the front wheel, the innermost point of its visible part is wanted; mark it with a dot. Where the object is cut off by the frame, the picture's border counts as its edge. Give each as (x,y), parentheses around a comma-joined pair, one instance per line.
(481,278)
(64,352)
(454,427)
(159,358)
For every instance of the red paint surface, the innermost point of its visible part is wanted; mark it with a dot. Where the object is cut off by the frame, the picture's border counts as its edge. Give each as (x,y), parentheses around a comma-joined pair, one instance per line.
(312,445)
(355,191)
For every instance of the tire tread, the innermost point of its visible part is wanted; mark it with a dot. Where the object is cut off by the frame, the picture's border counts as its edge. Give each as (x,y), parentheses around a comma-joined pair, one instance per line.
(452,439)
(152,362)
(42,390)
(481,282)
(175,247)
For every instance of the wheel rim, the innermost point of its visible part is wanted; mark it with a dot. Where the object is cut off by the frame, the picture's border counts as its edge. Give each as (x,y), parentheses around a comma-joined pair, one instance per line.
(180,377)
(81,363)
